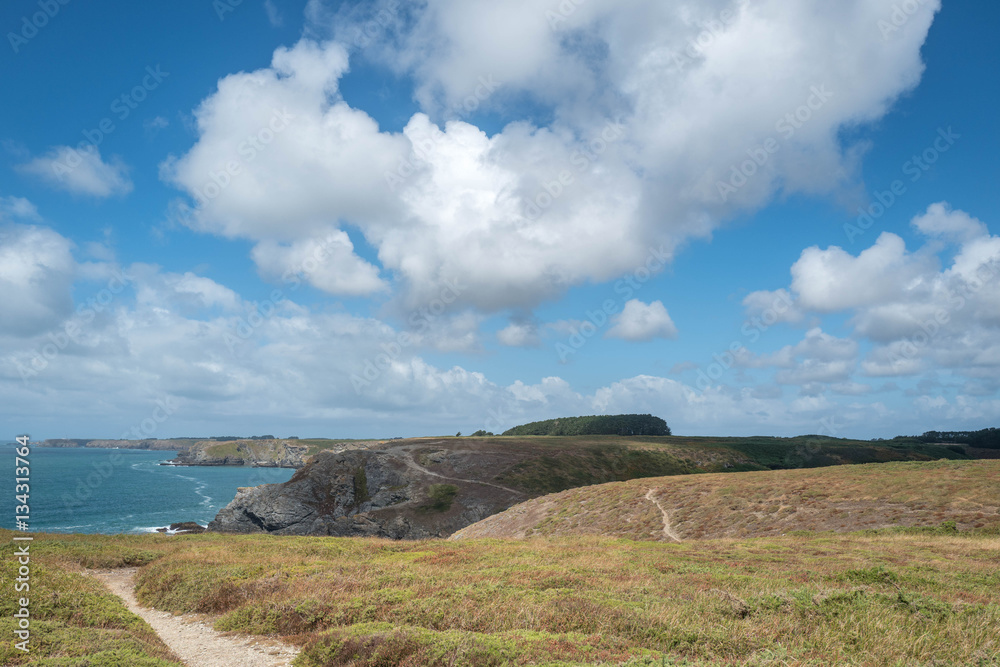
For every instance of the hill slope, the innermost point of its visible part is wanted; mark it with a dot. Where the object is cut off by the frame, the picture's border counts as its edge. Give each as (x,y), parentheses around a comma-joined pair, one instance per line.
(429,487)
(752,504)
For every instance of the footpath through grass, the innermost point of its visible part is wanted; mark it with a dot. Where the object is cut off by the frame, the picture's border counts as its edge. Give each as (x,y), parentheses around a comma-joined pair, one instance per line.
(882,598)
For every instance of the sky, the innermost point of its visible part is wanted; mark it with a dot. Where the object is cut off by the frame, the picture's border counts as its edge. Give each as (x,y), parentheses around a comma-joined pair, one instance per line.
(339,219)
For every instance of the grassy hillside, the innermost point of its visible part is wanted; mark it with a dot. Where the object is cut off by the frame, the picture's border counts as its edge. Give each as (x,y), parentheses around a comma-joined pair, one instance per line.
(546,464)
(816,599)
(751,504)
(595,425)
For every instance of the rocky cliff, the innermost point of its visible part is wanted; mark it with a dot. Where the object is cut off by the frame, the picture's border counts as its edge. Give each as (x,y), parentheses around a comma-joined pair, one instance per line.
(178,444)
(253,453)
(381,493)
(431,487)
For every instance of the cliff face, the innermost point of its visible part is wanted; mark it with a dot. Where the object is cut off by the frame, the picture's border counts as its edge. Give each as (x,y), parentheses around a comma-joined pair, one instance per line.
(253,453)
(152,444)
(430,487)
(381,493)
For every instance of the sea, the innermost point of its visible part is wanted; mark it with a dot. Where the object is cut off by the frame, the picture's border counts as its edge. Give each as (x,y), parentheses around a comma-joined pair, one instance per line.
(90,490)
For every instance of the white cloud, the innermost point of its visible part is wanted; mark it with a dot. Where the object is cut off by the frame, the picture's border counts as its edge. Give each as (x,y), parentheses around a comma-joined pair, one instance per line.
(831,280)
(941,221)
(36,276)
(519,334)
(772,307)
(81,172)
(524,214)
(17,208)
(816,360)
(327,263)
(152,126)
(851,389)
(919,315)
(219,361)
(639,321)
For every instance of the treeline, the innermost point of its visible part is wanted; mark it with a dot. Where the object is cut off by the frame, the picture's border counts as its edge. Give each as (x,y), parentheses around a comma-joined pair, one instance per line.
(987,438)
(595,425)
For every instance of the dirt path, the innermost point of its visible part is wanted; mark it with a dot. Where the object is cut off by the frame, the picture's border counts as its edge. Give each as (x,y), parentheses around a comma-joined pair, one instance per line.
(667,529)
(193,640)
(411,463)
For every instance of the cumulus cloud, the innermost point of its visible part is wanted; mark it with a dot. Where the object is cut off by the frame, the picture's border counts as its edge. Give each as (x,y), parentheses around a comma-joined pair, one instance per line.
(941,221)
(519,334)
(917,314)
(81,172)
(36,276)
(817,359)
(327,263)
(190,341)
(643,128)
(640,321)
(831,280)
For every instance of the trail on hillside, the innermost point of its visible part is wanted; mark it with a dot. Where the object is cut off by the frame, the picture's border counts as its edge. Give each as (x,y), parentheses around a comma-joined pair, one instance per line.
(194,641)
(411,463)
(667,529)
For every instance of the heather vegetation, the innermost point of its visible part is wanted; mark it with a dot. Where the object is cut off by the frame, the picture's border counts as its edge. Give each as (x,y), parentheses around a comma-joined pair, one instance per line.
(869,598)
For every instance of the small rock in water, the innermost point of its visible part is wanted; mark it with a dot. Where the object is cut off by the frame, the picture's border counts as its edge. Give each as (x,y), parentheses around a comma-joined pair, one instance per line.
(183,528)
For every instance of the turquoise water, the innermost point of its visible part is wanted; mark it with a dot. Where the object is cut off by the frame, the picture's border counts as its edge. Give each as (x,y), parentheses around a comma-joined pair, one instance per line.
(122,490)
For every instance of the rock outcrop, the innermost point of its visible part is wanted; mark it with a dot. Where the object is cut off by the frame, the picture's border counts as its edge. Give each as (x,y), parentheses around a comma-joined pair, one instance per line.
(252,453)
(375,492)
(177,444)
(182,528)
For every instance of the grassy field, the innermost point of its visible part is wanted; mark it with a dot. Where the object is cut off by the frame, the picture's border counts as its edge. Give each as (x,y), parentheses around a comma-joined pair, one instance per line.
(75,621)
(556,463)
(965,494)
(873,598)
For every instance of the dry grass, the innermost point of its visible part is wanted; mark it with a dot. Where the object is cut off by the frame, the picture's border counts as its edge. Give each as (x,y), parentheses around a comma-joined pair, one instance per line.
(846,599)
(754,504)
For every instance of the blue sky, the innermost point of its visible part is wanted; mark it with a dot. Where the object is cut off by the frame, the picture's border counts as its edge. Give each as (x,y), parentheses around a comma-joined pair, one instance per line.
(340,219)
